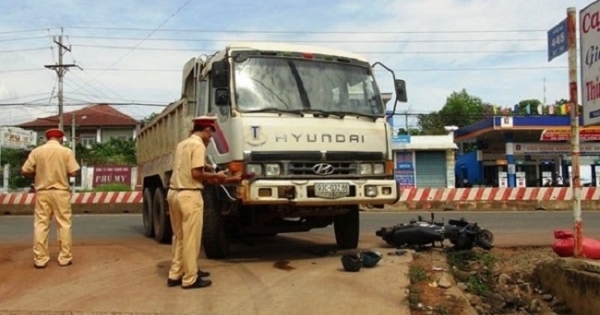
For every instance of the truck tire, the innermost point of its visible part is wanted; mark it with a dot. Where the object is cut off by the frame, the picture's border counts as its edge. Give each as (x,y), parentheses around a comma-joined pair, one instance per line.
(147,217)
(214,237)
(162,221)
(347,229)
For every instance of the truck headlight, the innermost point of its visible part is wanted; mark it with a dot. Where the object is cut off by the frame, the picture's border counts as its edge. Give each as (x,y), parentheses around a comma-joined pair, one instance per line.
(371,191)
(378,168)
(366,169)
(254,168)
(272,170)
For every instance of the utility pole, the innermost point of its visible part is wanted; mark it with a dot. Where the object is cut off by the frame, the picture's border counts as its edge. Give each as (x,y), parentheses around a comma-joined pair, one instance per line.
(73,146)
(60,69)
(576,181)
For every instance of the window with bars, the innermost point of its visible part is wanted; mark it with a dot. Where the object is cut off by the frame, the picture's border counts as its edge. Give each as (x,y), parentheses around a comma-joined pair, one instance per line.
(88,140)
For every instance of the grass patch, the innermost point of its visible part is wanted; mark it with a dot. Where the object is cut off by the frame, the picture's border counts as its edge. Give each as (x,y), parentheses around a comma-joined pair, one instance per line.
(479,265)
(417,274)
(423,297)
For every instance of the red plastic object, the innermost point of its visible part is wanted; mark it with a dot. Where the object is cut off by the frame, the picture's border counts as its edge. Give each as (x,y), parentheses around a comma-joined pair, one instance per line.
(564,245)
(248,175)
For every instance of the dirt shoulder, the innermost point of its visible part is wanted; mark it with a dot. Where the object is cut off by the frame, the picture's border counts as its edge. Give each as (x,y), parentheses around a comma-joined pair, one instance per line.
(500,281)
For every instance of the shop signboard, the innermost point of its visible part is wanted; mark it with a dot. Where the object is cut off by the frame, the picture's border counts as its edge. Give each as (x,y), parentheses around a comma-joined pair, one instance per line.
(111,175)
(551,148)
(404,172)
(17,138)
(589,41)
(564,134)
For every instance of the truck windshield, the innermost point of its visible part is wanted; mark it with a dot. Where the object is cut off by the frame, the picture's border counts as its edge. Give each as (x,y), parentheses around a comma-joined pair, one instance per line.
(305,85)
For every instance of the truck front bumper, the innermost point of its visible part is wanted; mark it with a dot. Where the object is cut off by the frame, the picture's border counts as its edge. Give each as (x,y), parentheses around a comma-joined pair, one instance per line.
(320,192)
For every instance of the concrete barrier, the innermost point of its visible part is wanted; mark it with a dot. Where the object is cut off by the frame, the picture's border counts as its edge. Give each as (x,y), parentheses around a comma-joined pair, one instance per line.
(576,281)
(481,199)
(468,199)
(85,202)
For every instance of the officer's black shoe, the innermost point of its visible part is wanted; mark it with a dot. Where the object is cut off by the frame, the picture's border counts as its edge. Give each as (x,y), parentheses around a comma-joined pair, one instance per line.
(200,283)
(174,283)
(203,273)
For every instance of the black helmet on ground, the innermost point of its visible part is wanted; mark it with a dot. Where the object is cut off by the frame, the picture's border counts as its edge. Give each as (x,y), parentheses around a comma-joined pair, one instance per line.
(352,262)
(370,258)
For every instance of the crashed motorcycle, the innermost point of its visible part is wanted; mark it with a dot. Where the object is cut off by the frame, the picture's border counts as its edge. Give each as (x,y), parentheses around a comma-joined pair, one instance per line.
(462,234)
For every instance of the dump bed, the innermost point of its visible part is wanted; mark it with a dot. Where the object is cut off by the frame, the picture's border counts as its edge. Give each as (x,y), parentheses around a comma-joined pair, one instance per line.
(157,140)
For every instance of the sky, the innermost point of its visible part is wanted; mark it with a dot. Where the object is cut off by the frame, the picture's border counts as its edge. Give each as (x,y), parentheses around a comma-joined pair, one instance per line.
(132,52)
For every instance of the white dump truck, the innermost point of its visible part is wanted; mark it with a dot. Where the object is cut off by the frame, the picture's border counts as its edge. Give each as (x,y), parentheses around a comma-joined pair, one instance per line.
(308,121)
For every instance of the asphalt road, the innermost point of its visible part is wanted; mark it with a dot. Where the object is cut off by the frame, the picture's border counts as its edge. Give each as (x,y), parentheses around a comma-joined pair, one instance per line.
(510,228)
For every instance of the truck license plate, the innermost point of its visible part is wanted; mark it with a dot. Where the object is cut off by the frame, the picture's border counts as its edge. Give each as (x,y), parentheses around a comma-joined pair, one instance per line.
(332,190)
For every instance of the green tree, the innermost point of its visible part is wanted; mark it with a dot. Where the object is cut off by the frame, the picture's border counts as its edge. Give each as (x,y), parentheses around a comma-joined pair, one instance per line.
(113,152)
(15,158)
(411,131)
(431,124)
(533,106)
(461,109)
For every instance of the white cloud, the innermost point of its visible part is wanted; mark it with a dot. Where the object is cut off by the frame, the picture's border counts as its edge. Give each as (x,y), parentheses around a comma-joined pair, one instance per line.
(408,52)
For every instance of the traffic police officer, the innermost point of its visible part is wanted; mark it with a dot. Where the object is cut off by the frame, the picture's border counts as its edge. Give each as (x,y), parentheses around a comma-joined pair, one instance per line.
(186,205)
(51,164)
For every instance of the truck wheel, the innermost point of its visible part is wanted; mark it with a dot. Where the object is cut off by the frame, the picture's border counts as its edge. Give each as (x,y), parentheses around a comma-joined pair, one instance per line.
(162,222)
(214,236)
(147,212)
(346,229)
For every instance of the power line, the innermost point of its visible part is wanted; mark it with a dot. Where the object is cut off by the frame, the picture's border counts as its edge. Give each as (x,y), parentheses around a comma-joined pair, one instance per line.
(305,32)
(139,43)
(23,49)
(84,102)
(359,52)
(24,96)
(20,38)
(20,70)
(27,31)
(395,70)
(287,40)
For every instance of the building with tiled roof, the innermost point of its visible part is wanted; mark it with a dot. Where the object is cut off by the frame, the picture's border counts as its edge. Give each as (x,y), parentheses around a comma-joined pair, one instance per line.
(93,124)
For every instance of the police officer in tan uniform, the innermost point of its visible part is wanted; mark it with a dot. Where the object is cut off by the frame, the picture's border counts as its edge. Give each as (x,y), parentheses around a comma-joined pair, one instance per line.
(51,164)
(186,206)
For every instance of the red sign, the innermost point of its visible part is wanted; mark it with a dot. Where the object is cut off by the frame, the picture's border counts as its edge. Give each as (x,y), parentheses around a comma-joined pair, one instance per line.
(112,174)
(585,134)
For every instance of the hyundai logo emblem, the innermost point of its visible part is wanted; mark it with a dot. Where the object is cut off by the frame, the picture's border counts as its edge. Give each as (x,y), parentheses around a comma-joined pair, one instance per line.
(323,169)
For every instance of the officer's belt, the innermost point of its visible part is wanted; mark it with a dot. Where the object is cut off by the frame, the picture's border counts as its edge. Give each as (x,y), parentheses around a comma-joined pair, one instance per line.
(178,189)
(45,189)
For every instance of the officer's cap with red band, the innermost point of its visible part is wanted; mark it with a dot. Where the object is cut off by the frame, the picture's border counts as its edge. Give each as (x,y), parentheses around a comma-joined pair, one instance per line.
(202,122)
(54,133)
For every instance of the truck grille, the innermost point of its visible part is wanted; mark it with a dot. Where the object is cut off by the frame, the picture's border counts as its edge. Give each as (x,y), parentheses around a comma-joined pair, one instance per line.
(308,168)
(304,164)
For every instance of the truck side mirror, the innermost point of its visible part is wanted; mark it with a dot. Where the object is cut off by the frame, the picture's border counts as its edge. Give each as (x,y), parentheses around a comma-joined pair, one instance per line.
(400,86)
(219,74)
(222,97)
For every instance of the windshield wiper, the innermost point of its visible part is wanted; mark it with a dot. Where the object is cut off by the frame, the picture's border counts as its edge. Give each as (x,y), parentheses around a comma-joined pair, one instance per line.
(276,110)
(319,112)
(342,114)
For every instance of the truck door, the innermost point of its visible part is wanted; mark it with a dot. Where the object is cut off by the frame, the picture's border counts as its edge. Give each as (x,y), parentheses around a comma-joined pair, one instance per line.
(218,102)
